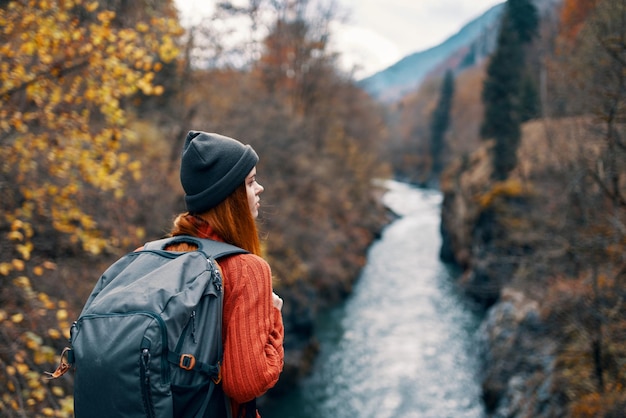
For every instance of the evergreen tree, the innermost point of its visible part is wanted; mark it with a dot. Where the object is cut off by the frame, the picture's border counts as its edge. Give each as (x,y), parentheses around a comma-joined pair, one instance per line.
(530,105)
(502,91)
(440,121)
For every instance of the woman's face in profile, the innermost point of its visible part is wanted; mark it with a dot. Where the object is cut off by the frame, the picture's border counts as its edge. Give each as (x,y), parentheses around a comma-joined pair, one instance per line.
(253,190)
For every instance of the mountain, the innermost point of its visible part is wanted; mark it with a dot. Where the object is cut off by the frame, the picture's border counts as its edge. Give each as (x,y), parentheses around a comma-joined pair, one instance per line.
(474,41)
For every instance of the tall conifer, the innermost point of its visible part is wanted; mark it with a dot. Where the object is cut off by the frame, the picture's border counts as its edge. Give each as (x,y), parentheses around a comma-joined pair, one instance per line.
(440,121)
(502,90)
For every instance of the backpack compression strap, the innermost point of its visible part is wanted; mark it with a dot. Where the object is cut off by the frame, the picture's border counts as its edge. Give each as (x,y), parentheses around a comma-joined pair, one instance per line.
(188,362)
(184,361)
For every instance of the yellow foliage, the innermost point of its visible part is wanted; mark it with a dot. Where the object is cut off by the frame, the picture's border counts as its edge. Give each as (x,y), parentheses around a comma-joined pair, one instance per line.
(33,341)
(61,314)
(18,265)
(49,265)
(5,268)
(47,412)
(17,318)
(66,71)
(44,355)
(22,282)
(142,27)
(511,187)
(71,69)
(57,391)
(92,6)
(67,406)
(22,368)
(15,236)
(54,334)
(25,250)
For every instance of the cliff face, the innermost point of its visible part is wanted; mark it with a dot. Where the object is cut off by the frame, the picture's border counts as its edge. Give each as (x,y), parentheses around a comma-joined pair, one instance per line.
(519,359)
(516,354)
(545,336)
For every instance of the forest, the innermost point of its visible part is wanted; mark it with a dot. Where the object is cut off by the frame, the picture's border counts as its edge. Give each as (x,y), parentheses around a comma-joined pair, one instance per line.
(526,144)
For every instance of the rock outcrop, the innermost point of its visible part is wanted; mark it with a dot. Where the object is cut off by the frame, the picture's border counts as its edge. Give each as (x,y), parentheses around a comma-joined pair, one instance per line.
(486,231)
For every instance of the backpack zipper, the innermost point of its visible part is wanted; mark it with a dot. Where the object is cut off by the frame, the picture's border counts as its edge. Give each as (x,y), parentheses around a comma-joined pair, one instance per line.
(146,392)
(190,324)
(193,327)
(215,273)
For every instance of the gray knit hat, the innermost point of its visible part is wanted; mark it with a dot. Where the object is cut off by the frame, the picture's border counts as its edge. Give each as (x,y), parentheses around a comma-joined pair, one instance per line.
(212,167)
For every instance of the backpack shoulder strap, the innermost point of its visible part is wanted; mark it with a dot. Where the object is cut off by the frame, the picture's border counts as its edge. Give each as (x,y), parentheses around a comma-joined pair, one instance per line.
(210,248)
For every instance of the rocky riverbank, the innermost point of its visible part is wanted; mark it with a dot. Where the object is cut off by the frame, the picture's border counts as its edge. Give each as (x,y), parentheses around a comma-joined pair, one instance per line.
(517,355)
(545,352)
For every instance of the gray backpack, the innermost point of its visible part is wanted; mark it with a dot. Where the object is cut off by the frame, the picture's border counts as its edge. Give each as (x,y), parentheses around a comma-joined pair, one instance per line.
(148,342)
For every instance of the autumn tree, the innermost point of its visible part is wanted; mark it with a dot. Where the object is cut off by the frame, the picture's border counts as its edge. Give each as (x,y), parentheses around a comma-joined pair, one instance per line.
(295,54)
(440,121)
(503,86)
(574,14)
(594,44)
(68,70)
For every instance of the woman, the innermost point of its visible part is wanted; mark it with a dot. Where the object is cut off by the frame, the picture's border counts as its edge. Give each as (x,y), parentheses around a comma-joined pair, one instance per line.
(218,175)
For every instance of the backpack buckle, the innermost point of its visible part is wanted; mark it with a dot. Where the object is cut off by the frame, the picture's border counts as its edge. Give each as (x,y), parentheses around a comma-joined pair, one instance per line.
(187,361)
(64,366)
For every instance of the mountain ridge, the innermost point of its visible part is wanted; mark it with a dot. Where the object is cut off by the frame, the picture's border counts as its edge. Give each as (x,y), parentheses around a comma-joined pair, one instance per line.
(477,36)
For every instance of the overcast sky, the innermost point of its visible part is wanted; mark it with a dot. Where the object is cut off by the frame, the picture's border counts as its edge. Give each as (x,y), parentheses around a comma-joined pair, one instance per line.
(379,33)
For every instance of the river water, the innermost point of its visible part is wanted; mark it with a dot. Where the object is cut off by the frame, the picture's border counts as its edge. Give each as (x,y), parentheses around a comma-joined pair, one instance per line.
(403,344)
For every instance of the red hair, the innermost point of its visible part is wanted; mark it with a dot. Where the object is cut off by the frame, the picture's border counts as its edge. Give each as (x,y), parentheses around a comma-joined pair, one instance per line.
(231,220)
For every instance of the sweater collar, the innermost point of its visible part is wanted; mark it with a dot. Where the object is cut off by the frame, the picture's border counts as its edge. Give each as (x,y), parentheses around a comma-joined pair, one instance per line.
(206,231)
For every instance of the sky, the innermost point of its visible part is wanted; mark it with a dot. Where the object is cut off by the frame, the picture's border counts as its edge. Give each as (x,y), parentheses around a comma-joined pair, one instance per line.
(378,33)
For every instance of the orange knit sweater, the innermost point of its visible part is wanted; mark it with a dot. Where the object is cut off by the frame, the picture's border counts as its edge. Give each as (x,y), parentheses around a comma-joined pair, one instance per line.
(252,332)
(252,329)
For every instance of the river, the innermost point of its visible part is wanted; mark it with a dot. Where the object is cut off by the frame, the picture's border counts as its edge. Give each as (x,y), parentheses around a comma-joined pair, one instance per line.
(403,344)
